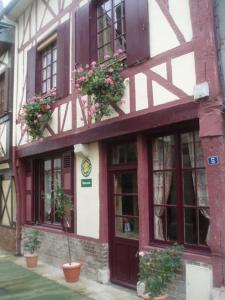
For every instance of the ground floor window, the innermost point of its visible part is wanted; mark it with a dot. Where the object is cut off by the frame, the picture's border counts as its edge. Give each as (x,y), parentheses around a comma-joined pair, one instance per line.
(49,173)
(179,190)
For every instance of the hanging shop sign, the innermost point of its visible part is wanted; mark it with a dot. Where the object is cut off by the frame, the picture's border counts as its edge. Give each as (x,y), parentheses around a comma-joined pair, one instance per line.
(213,160)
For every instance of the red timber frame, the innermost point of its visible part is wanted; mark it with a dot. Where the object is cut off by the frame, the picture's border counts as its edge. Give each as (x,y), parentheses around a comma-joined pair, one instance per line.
(207,113)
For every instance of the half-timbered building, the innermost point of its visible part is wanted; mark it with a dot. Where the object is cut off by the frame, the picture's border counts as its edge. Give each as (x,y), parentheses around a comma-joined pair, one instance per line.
(7,187)
(149,175)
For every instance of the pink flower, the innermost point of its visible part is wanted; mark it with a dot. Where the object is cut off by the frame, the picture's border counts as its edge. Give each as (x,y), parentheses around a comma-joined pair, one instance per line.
(97,105)
(80,70)
(141,253)
(41,140)
(107,56)
(110,70)
(35,121)
(123,101)
(109,81)
(102,66)
(77,85)
(87,66)
(93,64)
(119,51)
(79,90)
(82,78)
(39,116)
(90,73)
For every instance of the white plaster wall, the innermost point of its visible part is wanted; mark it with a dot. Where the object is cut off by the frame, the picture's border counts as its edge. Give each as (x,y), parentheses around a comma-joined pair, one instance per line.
(141,93)
(126,105)
(161,95)
(53,123)
(162,37)
(160,70)
(88,198)
(183,72)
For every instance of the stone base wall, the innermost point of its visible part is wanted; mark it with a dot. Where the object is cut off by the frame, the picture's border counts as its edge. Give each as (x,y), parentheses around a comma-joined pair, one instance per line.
(177,290)
(8,239)
(92,255)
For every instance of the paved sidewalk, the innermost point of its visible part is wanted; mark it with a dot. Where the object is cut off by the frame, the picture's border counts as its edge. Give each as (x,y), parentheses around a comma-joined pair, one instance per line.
(84,286)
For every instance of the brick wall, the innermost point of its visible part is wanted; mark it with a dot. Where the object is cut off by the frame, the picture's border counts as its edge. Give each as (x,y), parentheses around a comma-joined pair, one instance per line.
(8,239)
(92,255)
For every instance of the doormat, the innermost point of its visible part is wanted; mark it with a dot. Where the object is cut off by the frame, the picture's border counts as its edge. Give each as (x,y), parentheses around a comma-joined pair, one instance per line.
(18,283)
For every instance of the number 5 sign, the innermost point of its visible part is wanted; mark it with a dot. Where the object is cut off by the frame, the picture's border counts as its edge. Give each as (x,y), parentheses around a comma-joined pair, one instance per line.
(213,160)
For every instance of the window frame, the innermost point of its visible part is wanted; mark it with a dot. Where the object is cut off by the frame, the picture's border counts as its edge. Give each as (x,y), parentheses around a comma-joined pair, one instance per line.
(179,192)
(112,27)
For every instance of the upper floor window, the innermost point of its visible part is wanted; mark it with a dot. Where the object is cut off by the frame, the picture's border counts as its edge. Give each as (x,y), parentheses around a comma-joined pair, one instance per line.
(180,199)
(49,67)
(104,26)
(111,32)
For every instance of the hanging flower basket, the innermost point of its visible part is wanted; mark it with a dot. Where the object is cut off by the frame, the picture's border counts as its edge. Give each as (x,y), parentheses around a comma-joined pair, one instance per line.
(37,113)
(102,83)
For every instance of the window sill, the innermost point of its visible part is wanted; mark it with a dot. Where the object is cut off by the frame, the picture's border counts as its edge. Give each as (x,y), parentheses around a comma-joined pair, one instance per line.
(47,228)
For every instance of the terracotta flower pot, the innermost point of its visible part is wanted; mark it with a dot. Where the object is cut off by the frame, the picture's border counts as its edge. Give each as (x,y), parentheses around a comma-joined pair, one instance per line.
(162,297)
(71,272)
(31,261)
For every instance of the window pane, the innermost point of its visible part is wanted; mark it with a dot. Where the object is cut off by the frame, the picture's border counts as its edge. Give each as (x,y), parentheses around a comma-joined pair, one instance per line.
(169,152)
(48,84)
(126,205)
(159,223)
(202,188)
(204,223)
(107,5)
(118,28)
(54,54)
(189,189)
(125,183)
(49,58)
(44,75)
(127,227)
(44,61)
(48,72)
(124,153)
(171,224)
(104,37)
(54,81)
(118,13)
(47,190)
(158,187)
(119,44)
(54,68)
(170,188)
(187,144)
(157,150)
(191,236)
(44,87)
(198,151)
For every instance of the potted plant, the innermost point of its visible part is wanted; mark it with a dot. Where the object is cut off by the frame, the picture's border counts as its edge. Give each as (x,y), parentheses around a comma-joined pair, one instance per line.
(64,207)
(32,242)
(157,269)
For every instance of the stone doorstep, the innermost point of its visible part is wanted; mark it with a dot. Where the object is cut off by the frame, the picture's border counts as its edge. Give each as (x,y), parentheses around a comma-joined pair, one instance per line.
(84,286)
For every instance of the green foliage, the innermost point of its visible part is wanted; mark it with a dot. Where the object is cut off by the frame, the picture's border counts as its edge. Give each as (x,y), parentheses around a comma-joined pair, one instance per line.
(158,268)
(36,114)
(32,241)
(63,202)
(103,83)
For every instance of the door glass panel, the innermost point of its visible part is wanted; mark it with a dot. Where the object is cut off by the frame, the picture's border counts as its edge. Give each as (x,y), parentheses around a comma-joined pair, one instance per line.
(126,205)
(191,236)
(47,191)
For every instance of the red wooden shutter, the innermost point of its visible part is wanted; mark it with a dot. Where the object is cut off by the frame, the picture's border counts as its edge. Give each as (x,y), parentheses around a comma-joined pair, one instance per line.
(29,213)
(31,73)
(82,26)
(67,179)
(137,31)
(63,58)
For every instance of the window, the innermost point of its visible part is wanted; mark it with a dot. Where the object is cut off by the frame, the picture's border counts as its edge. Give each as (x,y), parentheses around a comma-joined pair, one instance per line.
(180,199)
(108,25)
(111,33)
(44,175)
(2,93)
(48,67)
(52,179)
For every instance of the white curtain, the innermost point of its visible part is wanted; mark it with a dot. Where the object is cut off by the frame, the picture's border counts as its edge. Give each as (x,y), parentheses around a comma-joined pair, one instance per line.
(201,181)
(161,180)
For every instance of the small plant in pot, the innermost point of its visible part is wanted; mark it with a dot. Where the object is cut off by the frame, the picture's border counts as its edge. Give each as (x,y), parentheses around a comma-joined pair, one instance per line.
(32,242)
(64,207)
(158,268)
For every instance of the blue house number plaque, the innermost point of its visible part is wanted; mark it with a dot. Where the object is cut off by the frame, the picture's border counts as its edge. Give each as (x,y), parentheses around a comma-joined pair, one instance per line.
(213,160)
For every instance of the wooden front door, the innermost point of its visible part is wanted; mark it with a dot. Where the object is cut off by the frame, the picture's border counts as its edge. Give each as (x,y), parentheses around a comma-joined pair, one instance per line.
(124,221)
